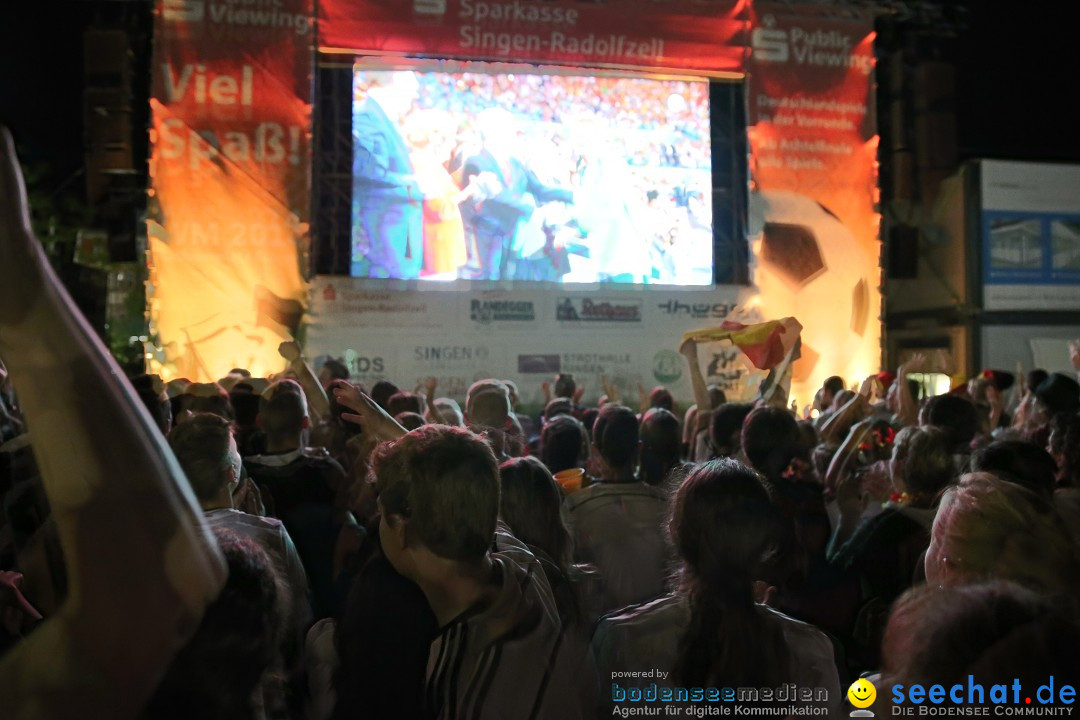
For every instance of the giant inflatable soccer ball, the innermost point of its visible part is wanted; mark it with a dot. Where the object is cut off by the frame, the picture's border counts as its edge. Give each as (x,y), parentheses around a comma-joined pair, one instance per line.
(809,265)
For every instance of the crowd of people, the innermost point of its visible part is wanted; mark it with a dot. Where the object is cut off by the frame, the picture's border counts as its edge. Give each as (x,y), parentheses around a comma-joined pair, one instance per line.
(302,547)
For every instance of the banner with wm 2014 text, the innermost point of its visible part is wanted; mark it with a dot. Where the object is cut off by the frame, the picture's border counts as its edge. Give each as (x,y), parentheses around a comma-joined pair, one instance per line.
(705,35)
(813,140)
(230,182)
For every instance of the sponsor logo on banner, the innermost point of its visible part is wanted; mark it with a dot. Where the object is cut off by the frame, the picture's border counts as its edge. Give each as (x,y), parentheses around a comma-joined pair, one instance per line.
(363,364)
(818,48)
(450,356)
(695,310)
(598,310)
(596,363)
(489,311)
(259,14)
(365,308)
(539,364)
(667,366)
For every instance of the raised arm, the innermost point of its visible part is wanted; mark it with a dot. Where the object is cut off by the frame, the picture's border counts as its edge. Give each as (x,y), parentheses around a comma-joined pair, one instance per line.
(701,391)
(835,428)
(141,566)
(429,386)
(909,408)
(318,402)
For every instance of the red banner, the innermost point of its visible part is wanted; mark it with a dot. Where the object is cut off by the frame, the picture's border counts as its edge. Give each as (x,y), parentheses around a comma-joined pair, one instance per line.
(703,35)
(230,176)
(814,169)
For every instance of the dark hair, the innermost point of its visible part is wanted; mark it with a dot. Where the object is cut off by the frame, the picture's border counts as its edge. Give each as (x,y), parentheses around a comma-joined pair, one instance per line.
(615,435)
(924,460)
(588,419)
(563,443)
(446,482)
(996,631)
(661,397)
(284,409)
(565,385)
(834,384)
(660,444)
(216,673)
(558,406)
(337,369)
(723,523)
(771,441)
(1020,462)
(1035,378)
(209,398)
(201,445)
(410,420)
(1059,393)
(245,404)
(242,372)
(381,392)
(530,502)
(1064,440)
(956,416)
(727,420)
(405,401)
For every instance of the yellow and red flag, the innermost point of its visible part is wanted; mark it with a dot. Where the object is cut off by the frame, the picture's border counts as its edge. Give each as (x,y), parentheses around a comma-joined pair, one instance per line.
(765,343)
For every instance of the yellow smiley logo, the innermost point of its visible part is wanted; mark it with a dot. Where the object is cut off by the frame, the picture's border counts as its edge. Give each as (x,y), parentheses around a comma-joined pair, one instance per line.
(862,693)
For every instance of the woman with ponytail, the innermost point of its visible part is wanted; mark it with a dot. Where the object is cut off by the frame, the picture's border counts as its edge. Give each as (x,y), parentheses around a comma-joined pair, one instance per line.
(711,632)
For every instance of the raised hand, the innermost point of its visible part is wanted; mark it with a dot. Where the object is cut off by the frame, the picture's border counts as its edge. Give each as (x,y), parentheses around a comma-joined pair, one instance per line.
(367,414)
(290,350)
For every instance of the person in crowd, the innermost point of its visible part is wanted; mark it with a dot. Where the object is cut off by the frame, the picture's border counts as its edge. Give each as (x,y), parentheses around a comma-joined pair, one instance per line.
(530,504)
(564,444)
(225,670)
(711,631)
(141,564)
(825,397)
(404,401)
(245,402)
(988,528)
(334,434)
(1063,445)
(303,487)
(410,420)
(1018,462)
(884,553)
(979,636)
(659,461)
(958,418)
(439,502)
(725,429)
(206,449)
(617,522)
(382,391)
(332,369)
(207,397)
(449,412)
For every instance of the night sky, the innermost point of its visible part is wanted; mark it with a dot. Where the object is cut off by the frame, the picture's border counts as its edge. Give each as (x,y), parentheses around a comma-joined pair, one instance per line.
(1014,90)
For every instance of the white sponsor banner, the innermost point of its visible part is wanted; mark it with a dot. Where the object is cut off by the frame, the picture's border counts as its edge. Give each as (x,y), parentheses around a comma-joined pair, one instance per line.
(459,336)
